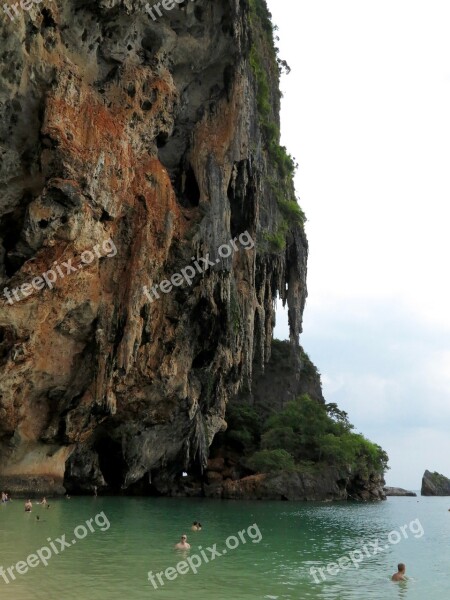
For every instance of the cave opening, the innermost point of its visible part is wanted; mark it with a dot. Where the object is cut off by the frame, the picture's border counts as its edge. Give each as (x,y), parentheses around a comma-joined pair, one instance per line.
(47,19)
(203,359)
(11,225)
(7,340)
(112,463)
(191,191)
(242,200)
(161,139)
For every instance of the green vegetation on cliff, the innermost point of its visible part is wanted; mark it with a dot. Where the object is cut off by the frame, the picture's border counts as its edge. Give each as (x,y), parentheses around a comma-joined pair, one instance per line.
(266,67)
(306,432)
(438,480)
(285,424)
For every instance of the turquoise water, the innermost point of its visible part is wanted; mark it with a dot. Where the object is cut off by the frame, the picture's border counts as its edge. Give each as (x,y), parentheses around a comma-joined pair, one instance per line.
(274,563)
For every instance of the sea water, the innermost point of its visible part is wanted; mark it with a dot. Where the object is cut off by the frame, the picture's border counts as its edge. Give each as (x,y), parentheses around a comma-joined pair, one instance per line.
(118,541)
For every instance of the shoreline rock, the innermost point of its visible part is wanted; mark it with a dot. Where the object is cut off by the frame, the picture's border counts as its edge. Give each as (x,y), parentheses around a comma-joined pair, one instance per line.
(396,491)
(435,484)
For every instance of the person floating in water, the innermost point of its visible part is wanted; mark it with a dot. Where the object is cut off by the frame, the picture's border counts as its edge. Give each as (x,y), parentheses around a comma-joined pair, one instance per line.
(400,575)
(183,544)
(194,526)
(28,506)
(43,501)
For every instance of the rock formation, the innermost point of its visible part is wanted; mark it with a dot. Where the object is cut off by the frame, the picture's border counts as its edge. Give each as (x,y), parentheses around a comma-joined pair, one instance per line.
(395,491)
(435,484)
(161,139)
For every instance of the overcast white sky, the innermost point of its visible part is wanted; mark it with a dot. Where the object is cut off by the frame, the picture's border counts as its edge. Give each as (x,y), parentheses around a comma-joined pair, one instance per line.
(366,113)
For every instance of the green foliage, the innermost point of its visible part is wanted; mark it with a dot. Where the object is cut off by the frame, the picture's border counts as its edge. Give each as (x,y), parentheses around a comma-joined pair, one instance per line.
(438,479)
(291,211)
(263,89)
(340,417)
(258,8)
(262,27)
(244,427)
(281,356)
(308,420)
(287,204)
(303,436)
(269,461)
(279,437)
(309,370)
(277,240)
(266,67)
(308,430)
(354,450)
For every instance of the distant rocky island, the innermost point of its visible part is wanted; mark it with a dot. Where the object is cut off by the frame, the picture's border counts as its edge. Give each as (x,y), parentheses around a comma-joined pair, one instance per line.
(435,484)
(396,491)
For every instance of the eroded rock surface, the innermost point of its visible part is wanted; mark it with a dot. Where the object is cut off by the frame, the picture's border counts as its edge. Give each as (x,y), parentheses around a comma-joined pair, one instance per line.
(116,127)
(395,491)
(435,484)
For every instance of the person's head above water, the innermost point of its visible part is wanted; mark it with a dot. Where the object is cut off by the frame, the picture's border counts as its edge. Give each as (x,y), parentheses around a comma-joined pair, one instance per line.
(400,575)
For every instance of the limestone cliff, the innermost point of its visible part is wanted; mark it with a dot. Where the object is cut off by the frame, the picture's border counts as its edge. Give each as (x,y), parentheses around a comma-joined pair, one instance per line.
(131,147)
(230,474)
(153,134)
(435,484)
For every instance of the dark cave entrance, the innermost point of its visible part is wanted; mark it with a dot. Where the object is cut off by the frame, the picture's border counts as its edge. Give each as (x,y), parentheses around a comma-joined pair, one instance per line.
(111,462)
(190,193)
(11,225)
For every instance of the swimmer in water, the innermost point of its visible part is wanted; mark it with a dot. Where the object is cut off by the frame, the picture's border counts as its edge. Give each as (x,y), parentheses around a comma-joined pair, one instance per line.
(194,526)
(182,544)
(400,575)
(28,506)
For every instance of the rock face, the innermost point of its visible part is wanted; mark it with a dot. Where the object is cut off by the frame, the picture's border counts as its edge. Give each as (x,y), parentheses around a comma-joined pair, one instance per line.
(131,148)
(325,484)
(395,491)
(142,139)
(286,376)
(435,484)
